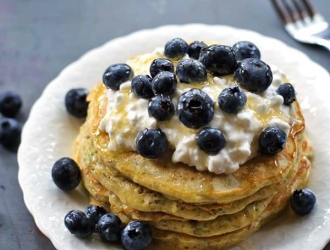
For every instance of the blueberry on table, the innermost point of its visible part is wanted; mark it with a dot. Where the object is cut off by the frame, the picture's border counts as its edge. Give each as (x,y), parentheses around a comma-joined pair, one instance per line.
(164,83)
(286,90)
(78,224)
(218,59)
(176,48)
(161,107)
(109,228)
(136,236)
(95,213)
(141,86)
(194,49)
(151,143)
(116,74)
(211,140)
(10,104)
(272,140)
(254,75)
(10,132)
(190,70)
(76,102)
(245,50)
(195,108)
(66,174)
(159,65)
(302,201)
(232,99)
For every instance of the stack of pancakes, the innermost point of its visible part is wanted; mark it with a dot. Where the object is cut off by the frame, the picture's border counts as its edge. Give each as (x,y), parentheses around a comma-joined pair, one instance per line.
(188,209)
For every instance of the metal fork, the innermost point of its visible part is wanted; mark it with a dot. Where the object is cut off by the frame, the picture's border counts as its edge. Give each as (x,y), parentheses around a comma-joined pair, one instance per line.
(303,22)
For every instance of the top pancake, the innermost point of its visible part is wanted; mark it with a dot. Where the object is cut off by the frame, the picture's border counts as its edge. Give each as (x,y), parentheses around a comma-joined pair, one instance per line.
(180,182)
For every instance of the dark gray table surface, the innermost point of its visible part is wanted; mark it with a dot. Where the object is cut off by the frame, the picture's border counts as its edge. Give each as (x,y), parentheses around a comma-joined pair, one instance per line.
(38,38)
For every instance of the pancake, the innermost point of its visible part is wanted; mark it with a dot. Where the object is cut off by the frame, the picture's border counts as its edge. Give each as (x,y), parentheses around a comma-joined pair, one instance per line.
(220,225)
(149,201)
(179,182)
(171,240)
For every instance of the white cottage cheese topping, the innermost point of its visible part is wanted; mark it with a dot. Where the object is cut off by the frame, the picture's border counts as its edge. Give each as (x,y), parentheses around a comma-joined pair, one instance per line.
(127,115)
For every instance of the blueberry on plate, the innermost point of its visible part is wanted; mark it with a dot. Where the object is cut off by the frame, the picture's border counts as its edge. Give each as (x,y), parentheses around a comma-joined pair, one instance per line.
(76,102)
(151,143)
(141,86)
(161,107)
(254,75)
(136,235)
(176,48)
(194,49)
(10,104)
(10,132)
(109,228)
(159,65)
(116,74)
(218,59)
(66,174)
(245,50)
(211,140)
(95,213)
(78,224)
(232,99)
(190,70)
(272,140)
(286,90)
(302,201)
(164,83)
(195,108)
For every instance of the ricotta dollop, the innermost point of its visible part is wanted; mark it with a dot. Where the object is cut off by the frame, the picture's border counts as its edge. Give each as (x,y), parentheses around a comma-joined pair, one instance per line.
(127,115)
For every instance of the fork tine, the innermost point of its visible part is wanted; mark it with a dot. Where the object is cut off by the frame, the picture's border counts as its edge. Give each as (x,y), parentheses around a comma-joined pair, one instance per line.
(282,11)
(301,10)
(310,8)
(292,11)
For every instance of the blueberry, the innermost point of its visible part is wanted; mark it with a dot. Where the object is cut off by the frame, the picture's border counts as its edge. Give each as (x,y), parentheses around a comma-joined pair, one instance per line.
(288,93)
(272,140)
(254,75)
(218,59)
(164,83)
(116,74)
(232,99)
(159,65)
(109,228)
(161,107)
(136,236)
(190,70)
(66,174)
(245,50)
(176,48)
(195,108)
(78,224)
(302,201)
(194,49)
(141,86)
(10,104)
(151,143)
(95,213)
(76,102)
(211,140)
(10,132)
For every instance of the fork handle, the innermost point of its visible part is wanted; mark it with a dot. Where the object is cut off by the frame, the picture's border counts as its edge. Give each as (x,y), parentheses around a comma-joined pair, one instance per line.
(324,43)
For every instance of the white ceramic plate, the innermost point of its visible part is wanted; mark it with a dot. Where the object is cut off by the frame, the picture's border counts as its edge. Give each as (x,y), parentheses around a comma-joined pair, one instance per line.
(49,134)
